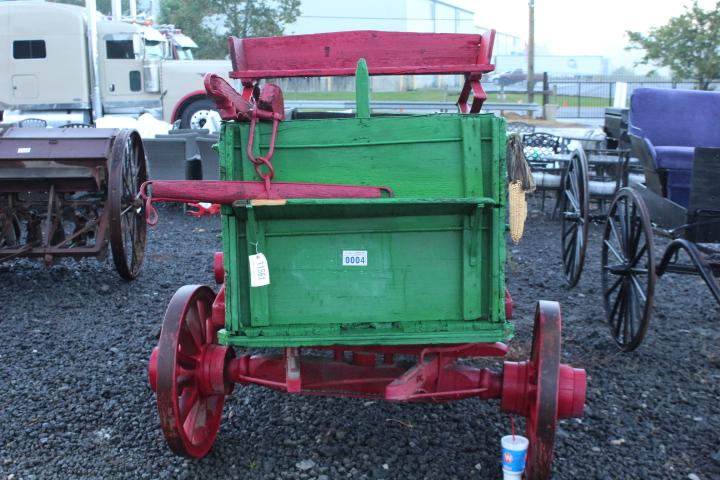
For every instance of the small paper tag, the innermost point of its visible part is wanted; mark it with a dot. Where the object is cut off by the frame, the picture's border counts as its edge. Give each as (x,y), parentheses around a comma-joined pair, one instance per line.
(354,258)
(24,150)
(259,271)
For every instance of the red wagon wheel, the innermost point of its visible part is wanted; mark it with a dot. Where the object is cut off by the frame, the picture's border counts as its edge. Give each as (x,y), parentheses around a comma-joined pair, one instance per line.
(128,170)
(544,376)
(187,374)
(532,389)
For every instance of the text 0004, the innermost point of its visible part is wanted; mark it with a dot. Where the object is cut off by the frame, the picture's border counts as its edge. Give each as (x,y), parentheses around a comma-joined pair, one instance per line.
(354,258)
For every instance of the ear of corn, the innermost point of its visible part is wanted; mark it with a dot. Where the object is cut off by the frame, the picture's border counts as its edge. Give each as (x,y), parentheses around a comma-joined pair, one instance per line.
(517,210)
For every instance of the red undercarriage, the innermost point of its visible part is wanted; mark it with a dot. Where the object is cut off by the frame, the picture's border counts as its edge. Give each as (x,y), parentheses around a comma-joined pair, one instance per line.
(373,371)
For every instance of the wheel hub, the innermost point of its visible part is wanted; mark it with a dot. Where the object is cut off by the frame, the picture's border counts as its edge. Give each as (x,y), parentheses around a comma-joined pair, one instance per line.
(199,119)
(519,385)
(212,379)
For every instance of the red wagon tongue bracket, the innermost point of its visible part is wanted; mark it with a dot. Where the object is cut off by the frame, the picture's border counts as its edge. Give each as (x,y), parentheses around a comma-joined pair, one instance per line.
(269,106)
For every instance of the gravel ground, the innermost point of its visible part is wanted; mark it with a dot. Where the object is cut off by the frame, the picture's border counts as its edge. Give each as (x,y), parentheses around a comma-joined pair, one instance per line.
(75,402)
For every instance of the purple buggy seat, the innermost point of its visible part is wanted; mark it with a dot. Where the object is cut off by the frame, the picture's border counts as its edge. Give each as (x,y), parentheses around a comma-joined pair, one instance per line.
(672,123)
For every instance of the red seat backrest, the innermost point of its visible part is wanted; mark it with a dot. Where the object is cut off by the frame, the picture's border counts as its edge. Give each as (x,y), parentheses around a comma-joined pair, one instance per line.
(337,54)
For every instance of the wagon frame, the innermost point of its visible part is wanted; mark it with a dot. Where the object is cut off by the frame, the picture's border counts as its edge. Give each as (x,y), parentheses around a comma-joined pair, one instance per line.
(195,366)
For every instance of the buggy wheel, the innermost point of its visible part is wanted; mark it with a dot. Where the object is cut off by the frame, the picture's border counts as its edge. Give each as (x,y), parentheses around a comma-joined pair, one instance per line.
(574,219)
(628,269)
(128,170)
(544,376)
(187,372)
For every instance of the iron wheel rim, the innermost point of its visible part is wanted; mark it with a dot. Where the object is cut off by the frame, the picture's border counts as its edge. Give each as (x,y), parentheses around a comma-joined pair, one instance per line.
(128,230)
(574,219)
(628,257)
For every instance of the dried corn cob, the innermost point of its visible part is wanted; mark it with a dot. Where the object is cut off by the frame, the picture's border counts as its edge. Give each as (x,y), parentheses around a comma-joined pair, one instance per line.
(517,210)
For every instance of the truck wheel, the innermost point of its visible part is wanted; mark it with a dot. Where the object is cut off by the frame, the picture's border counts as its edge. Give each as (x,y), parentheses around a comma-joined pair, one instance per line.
(197,113)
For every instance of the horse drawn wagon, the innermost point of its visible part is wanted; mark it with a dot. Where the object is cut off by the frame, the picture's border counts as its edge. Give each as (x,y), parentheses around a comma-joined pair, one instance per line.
(368,250)
(674,136)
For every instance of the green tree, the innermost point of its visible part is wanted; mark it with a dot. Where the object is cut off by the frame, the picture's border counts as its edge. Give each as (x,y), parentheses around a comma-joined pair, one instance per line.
(688,45)
(188,15)
(210,23)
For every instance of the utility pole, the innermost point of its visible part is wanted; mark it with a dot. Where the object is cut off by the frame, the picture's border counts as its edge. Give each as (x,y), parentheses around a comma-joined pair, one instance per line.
(531,54)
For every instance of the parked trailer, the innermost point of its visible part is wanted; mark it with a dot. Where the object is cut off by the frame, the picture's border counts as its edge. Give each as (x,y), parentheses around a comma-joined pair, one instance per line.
(72,192)
(373,266)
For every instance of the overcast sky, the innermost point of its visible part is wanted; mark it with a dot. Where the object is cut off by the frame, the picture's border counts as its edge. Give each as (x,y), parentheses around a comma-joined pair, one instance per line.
(579,27)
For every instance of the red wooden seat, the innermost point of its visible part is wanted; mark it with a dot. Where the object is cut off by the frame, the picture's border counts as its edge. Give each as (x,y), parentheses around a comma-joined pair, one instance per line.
(386,53)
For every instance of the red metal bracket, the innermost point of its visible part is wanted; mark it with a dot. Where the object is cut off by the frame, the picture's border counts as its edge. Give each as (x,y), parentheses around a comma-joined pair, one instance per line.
(472,83)
(231,105)
(234,106)
(293,381)
(203,208)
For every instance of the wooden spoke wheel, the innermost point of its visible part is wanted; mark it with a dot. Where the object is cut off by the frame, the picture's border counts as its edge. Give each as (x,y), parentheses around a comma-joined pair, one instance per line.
(187,372)
(574,219)
(544,379)
(628,269)
(128,170)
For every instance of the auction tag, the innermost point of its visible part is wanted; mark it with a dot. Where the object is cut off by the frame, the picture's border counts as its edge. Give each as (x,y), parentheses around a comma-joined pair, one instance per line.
(354,258)
(259,271)
(24,150)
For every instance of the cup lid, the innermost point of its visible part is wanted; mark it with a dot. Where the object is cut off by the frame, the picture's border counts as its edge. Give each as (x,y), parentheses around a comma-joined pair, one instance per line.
(516,442)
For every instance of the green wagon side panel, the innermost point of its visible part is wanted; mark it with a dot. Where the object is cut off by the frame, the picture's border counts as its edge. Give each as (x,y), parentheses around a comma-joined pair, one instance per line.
(435,252)
(430,156)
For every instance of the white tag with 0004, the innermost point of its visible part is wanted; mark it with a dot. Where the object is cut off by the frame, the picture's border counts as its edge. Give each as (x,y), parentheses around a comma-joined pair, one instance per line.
(354,258)
(259,271)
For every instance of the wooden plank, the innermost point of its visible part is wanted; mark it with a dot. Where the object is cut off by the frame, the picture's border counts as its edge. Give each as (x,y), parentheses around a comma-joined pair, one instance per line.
(362,90)
(337,54)
(259,305)
(471,158)
(472,269)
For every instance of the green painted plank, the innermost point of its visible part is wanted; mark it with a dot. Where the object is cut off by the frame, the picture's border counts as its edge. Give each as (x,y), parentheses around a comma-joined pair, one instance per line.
(256,243)
(418,156)
(296,337)
(362,90)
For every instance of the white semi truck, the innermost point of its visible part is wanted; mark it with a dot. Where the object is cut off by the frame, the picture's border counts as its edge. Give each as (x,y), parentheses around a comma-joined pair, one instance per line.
(60,64)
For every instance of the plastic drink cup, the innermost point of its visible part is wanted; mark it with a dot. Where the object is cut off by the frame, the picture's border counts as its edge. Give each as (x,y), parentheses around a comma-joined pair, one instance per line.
(514,452)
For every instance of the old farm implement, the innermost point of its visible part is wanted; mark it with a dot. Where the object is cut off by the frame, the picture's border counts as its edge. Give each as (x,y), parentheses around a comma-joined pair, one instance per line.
(674,136)
(71,192)
(368,251)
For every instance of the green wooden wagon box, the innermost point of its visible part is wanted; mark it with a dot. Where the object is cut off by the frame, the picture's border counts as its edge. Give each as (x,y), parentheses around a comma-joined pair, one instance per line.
(430,260)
